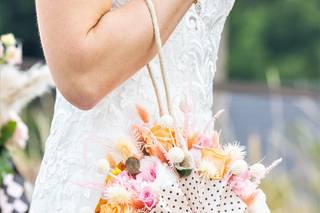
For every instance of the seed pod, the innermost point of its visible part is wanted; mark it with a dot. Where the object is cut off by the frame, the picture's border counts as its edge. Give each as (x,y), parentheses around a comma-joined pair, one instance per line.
(133,165)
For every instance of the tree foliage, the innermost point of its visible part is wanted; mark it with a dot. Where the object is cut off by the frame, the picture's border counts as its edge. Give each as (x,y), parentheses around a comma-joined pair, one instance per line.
(281,34)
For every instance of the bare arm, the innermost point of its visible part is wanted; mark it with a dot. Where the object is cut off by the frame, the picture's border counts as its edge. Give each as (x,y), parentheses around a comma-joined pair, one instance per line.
(91,49)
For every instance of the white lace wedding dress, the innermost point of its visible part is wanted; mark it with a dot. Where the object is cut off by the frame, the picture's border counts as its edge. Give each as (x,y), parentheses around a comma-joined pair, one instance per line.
(77,138)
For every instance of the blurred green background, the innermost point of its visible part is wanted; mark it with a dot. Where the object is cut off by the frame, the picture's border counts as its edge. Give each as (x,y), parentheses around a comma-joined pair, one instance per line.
(270,63)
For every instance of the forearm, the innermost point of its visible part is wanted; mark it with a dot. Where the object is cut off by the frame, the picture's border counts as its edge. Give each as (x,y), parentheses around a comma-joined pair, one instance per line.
(129,44)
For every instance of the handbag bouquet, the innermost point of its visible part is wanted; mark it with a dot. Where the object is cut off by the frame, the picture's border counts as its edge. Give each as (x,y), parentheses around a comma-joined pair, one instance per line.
(167,167)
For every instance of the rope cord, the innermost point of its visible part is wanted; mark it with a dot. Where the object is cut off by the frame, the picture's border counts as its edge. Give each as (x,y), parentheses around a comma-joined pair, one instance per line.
(161,61)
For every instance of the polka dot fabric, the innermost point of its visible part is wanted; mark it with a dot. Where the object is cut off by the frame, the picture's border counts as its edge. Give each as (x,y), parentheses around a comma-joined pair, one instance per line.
(161,207)
(217,197)
(172,200)
(211,194)
(230,202)
(191,188)
(199,195)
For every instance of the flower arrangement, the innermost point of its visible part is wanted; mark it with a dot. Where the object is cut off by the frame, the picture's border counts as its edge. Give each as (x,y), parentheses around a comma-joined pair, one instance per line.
(203,173)
(169,167)
(10,50)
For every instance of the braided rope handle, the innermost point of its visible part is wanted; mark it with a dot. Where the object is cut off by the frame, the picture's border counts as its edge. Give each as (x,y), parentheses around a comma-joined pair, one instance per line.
(164,77)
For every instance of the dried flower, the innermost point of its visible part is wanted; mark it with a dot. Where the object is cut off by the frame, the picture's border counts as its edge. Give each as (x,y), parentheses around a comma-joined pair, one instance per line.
(205,141)
(208,169)
(238,167)
(148,171)
(126,148)
(242,185)
(258,170)
(175,155)
(235,151)
(117,195)
(144,116)
(259,204)
(166,136)
(148,197)
(133,165)
(166,121)
(216,139)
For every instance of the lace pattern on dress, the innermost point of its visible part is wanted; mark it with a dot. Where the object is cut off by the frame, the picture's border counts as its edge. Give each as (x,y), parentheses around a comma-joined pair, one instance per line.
(78,138)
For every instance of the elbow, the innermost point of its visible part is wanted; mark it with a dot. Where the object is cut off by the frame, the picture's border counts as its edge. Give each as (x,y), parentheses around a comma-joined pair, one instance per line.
(82,95)
(82,98)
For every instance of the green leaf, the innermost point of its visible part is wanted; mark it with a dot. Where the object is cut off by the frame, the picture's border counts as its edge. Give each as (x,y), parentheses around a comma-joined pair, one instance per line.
(7,131)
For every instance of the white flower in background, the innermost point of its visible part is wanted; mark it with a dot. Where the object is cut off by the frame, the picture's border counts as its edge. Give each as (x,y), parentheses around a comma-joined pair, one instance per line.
(238,167)
(208,168)
(117,194)
(176,155)
(14,55)
(8,39)
(18,88)
(259,204)
(166,121)
(21,135)
(235,151)
(1,50)
(258,170)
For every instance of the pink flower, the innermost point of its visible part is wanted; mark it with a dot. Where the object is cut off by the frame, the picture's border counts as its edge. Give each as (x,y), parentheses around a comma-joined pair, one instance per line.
(127,181)
(21,134)
(242,185)
(147,197)
(205,141)
(148,173)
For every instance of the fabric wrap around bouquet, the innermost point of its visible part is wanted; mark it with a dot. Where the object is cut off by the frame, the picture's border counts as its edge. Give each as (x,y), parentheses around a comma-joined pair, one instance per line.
(168,167)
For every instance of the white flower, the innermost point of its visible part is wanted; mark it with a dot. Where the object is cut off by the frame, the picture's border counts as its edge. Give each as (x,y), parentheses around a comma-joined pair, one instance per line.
(259,204)
(208,168)
(85,209)
(126,147)
(166,121)
(238,167)
(103,166)
(1,49)
(8,39)
(235,151)
(176,155)
(117,194)
(258,170)
(14,55)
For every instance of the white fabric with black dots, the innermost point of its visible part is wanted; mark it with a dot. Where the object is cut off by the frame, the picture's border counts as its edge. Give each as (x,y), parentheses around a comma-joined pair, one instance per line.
(172,200)
(191,187)
(199,195)
(216,196)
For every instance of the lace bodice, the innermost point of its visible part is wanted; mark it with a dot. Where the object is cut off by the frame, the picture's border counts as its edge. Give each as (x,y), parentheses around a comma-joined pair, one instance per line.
(67,178)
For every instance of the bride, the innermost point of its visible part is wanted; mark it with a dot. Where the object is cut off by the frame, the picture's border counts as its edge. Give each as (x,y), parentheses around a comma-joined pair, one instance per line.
(97,51)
